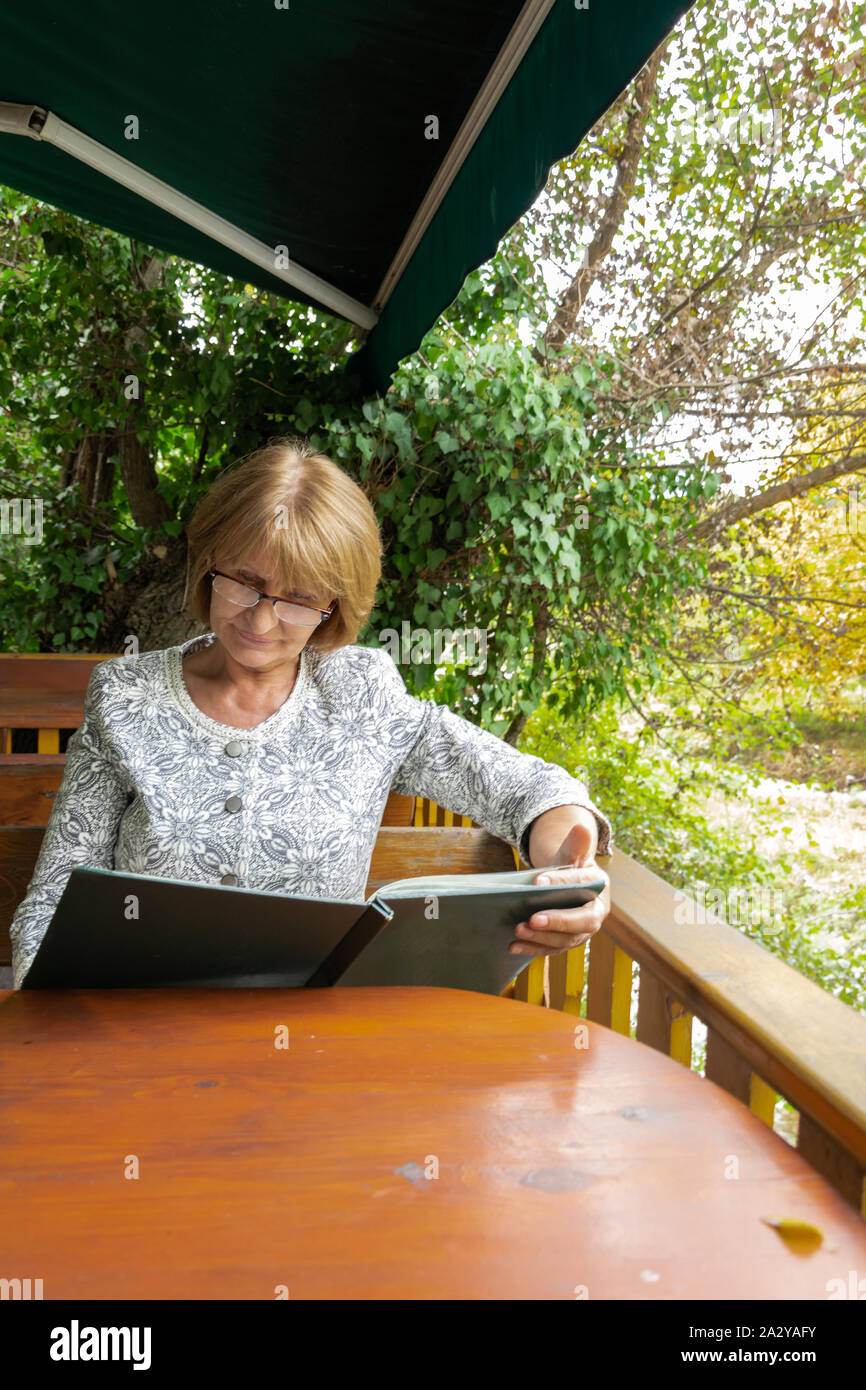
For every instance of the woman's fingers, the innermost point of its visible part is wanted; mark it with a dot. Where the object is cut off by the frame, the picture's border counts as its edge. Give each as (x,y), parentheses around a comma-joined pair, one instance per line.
(554,940)
(530,948)
(570,873)
(551,930)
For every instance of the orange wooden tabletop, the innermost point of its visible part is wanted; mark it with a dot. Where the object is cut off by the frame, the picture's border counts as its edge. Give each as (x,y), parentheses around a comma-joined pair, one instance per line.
(607,1169)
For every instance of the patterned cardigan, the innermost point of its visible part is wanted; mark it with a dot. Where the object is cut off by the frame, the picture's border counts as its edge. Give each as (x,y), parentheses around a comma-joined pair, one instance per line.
(152,785)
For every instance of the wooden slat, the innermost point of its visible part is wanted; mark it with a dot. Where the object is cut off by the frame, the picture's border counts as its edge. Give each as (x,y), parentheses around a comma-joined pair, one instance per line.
(28,785)
(762,1099)
(535,973)
(429,813)
(19,850)
(836,1164)
(681,1033)
(407,851)
(529,985)
(664,1019)
(653,1018)
(567,974)
(30,781)
(620,1013)
(399,810)
(45,690)
(799,1039)
(600,987)
(13,665)
(727,1068)
(35,708)
(609,995)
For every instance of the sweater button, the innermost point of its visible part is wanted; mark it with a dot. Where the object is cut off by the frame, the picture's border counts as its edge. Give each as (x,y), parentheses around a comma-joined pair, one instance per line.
(228,879)
(234,803)
(234,749)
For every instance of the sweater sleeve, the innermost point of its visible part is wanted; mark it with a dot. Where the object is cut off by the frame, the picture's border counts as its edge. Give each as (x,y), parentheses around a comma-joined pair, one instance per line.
(82,827)
(469,771)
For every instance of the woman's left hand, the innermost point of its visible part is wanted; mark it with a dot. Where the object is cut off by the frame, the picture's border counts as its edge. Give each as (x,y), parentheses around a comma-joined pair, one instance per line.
(551,931)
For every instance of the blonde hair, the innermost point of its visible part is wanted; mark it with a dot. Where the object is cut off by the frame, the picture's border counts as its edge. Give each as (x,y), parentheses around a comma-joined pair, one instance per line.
(312,521)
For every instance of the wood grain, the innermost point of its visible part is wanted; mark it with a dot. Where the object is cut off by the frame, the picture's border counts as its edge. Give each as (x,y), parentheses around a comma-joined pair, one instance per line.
(29,783)
(559,1168)
(405,852)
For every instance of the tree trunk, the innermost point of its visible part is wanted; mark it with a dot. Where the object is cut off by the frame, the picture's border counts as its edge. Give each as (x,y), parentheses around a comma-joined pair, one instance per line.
(91,467)
(149,607)
(137,469)
(148,507)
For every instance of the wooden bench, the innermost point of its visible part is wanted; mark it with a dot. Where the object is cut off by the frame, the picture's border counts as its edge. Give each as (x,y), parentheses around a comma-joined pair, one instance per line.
(402,849)
(43,691)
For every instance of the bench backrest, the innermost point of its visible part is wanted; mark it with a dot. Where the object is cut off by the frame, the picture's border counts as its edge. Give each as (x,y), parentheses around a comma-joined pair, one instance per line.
(45,692)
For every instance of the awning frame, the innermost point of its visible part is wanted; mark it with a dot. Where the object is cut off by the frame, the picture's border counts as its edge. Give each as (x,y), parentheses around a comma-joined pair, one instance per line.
(18,118)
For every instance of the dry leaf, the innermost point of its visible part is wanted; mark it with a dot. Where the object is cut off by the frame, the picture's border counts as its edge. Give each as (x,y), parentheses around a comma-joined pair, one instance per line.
(800,1236)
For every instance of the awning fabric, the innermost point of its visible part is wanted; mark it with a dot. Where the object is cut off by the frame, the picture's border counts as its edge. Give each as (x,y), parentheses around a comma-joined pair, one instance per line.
(304,127)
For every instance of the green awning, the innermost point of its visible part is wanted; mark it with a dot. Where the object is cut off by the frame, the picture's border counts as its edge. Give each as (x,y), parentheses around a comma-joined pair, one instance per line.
(303,134)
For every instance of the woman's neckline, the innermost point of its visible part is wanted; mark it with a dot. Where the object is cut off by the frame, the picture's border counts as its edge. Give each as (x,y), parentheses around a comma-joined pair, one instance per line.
(178,687)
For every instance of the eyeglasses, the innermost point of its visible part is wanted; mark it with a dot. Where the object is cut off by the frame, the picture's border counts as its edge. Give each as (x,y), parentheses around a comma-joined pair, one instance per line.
(245,596)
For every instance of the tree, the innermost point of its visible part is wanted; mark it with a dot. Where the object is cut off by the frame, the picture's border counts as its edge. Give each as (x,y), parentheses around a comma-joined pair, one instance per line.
(536,493)
(721,185)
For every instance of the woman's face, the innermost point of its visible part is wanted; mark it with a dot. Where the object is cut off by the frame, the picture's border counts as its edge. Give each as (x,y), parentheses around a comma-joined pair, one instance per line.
(255,636)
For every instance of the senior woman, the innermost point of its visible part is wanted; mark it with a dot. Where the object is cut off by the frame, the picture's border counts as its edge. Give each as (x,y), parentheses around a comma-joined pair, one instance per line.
(261,752)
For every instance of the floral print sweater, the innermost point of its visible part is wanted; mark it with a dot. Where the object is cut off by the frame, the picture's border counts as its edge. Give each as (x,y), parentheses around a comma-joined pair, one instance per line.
(152,785)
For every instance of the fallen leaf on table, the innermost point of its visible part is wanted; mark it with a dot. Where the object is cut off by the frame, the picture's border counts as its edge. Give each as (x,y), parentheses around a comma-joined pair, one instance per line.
(800,1236)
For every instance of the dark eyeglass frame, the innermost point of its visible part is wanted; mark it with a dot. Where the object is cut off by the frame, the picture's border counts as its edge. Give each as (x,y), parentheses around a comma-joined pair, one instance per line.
(275,599)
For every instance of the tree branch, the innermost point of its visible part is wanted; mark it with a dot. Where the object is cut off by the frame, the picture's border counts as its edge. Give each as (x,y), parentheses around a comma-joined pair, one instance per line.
(731,512)
(564,319)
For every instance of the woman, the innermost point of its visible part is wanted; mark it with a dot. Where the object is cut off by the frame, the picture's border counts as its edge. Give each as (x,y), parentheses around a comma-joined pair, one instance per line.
(261,753)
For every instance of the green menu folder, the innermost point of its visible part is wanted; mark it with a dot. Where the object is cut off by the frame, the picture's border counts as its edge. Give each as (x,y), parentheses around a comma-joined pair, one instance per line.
(116,930)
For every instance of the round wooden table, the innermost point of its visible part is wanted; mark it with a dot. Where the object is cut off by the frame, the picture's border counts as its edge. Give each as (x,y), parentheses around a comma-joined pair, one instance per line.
(383,1143)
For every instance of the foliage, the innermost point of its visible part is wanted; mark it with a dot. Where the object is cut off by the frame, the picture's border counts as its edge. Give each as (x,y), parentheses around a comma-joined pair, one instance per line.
(503,506)
(656,804)
(779,622)
(685,231)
